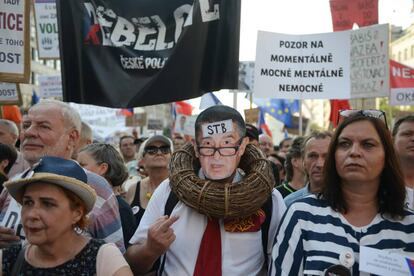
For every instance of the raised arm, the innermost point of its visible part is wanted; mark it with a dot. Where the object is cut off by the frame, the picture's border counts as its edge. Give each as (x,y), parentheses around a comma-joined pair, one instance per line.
(142,255)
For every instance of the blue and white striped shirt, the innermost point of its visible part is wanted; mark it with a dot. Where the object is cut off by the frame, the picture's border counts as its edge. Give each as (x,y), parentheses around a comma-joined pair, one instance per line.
(312,236)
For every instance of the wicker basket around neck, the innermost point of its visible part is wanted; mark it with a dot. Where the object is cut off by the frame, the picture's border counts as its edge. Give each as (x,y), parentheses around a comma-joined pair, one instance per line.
(219,200)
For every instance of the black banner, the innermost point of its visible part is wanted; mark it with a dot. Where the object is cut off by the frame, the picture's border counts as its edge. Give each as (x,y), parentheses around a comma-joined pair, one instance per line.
(128,53)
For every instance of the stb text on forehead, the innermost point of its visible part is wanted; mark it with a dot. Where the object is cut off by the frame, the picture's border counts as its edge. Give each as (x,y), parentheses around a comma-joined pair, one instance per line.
(221,127)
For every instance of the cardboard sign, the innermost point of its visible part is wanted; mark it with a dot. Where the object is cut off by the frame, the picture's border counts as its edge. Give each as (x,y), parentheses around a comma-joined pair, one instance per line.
(340,65)
(313,66)
(104,121)
(14,41)
(50,86)
(46,29)
(402,84)
(155,124)
(10,94)
(385,262)
(221,127)
(246,76)
(345,13)
(138,119)
(12,219)
(369,62)
(185,125)
(251,115)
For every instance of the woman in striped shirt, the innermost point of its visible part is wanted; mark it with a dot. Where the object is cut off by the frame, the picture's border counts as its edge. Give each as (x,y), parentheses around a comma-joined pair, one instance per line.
(362,204)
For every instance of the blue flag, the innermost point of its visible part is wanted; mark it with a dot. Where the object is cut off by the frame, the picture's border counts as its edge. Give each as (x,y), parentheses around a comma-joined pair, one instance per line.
(35,98)
(280,109)
(208,100)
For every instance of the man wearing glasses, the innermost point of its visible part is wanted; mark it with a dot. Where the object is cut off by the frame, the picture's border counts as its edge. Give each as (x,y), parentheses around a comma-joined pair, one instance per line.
(192,243)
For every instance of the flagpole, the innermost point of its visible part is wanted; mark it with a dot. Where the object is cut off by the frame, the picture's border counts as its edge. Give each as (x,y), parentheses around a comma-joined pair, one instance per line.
(234,99)
(300,118)
(251,99)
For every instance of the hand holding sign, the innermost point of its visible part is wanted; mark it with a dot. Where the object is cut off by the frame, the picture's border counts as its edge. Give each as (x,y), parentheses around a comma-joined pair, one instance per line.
(7,237)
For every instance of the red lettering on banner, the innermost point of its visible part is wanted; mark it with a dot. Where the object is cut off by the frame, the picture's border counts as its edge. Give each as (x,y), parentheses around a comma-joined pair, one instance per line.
(11,21)
(401,76)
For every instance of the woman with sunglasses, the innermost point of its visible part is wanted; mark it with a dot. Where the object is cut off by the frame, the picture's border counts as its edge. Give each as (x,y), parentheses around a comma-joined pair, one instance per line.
(361,204)
(154,157)
(105,160)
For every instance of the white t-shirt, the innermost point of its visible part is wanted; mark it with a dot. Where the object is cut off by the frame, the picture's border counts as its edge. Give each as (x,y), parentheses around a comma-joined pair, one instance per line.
(242,253)
(409,198)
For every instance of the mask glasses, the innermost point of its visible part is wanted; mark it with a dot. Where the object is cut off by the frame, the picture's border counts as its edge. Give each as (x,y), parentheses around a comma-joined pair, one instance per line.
(223,151)
(153,150)
(374,113)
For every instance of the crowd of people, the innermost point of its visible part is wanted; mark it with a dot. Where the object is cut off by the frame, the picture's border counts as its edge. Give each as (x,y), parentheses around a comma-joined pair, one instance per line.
(70,205)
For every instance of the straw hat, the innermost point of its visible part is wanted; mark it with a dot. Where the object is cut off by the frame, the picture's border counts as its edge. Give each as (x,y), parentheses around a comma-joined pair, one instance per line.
(62,172)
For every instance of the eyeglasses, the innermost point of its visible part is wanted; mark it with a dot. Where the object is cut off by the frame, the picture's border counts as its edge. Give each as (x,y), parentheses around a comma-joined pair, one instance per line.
(153,150)
(374,113)
(223,151)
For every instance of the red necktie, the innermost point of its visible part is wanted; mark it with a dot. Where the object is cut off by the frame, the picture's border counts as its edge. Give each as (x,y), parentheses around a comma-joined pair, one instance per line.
(209,255)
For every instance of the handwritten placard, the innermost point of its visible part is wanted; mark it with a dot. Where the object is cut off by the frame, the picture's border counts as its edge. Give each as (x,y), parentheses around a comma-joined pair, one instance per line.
(369,62)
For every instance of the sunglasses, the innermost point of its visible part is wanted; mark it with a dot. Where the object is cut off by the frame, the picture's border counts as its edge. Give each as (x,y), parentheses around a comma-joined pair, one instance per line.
(153,150)
(374,113)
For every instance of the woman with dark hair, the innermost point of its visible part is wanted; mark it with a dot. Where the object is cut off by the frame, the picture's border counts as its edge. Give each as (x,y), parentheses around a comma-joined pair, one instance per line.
(105,160)
(361,204)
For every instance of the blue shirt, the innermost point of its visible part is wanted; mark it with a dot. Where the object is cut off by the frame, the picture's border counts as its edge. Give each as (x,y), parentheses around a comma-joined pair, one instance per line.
(299,194)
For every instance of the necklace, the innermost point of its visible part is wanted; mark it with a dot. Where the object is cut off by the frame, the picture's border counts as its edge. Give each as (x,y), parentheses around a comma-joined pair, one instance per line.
(148,195)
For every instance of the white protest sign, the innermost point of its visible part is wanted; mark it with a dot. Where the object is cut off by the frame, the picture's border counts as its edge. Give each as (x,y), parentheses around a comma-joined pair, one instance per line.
(383,262)
(246,76)
(154,124)
(313,66)
(221,127)
(46,28)
(50,86)
(185,125)
(14,41)
(12,218)
(103,121)
(9,93)
(369,62)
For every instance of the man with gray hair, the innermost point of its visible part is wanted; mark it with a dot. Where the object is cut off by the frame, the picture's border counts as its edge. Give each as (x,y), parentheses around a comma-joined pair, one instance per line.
(51,128)
(9,133)
(86,138)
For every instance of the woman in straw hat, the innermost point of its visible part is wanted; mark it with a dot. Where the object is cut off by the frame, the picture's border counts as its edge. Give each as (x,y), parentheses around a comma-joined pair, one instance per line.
(55,202)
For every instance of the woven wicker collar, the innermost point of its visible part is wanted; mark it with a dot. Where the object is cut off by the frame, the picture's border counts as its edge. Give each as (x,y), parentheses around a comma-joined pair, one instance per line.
(218,200)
